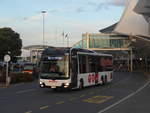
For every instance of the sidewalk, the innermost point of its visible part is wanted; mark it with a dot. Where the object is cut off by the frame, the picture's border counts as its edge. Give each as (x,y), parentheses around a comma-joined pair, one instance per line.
(147,74)
(2,85)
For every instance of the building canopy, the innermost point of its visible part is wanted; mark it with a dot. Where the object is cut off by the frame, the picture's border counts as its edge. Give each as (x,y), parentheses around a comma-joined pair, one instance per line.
(132,23)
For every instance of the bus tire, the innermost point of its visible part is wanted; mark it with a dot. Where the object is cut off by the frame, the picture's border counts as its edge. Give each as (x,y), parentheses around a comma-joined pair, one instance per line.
(96,82)
(81,85)
(105,79)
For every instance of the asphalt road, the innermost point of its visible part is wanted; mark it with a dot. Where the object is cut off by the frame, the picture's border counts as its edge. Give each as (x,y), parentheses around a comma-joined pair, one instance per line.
(128,93)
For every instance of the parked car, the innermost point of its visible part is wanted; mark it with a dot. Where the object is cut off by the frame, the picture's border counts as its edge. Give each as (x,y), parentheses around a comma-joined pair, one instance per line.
(28,68)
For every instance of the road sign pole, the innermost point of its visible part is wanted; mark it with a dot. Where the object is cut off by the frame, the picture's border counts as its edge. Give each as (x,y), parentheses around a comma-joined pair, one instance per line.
(7,82)
(7,59)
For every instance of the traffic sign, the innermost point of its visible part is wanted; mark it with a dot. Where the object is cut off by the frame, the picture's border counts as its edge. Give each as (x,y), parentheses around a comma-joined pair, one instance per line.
(7,58)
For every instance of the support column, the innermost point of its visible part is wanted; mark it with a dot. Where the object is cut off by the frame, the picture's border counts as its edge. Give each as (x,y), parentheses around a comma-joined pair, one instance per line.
(87,40)
(131,60)
(128,61)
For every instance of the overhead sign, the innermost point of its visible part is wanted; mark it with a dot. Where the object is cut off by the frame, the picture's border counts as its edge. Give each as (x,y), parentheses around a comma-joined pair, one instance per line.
(7,58)
(55,58)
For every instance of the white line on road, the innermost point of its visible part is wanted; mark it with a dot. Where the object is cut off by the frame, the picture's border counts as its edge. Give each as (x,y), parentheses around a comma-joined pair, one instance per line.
(25,91)
(125,98)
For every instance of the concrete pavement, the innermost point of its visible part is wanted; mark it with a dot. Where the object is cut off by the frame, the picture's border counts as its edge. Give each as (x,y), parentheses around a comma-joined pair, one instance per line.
(29,98)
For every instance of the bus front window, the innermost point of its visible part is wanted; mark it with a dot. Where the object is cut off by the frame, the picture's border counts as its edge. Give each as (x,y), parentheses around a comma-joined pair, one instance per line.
(55,67)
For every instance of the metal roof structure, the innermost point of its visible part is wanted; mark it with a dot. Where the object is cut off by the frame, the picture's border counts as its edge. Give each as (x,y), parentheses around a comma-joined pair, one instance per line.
(109,29)
(143,7)
(132,23)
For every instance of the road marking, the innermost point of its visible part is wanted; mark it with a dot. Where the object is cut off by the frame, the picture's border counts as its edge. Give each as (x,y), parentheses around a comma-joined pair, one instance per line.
(71,99)
(98,99)
(112,85)
(44,107)
(82,95)
(25,91)
(91,93)
(61,102)
(125,98)
(28,112)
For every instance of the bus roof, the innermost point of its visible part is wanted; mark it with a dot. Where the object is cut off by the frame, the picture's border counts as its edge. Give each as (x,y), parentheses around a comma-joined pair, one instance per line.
(61,51)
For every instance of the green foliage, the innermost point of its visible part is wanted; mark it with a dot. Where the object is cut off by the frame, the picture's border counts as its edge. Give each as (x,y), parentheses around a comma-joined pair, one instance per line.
(21,77)
(18,78)
(9,41)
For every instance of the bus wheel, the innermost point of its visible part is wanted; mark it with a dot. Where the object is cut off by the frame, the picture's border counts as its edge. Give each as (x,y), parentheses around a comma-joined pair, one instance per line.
(105,79)
(81,85)
(96,82)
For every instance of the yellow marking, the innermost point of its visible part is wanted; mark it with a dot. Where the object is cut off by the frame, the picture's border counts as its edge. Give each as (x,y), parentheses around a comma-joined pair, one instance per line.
(61,102)
(98,99)
(91,93)
(82,96)
(28,112)
(71,99)
(108,86)
(44,107)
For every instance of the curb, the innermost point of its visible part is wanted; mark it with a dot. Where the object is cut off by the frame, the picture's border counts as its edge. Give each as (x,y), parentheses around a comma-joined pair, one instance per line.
(147,75)
(2,86)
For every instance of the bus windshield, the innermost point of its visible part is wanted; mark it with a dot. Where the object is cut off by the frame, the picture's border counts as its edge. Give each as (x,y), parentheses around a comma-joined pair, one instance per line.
(54,68)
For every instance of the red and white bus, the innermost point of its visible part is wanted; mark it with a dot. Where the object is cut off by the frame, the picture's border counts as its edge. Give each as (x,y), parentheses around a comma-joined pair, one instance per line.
(74,68)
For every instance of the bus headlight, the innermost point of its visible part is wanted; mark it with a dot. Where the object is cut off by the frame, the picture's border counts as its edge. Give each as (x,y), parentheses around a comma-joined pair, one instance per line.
(41,82)
(66,85)
(42,85)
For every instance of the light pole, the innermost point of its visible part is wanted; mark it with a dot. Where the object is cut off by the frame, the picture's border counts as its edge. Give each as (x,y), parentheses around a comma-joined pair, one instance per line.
(43,13)
(67,37)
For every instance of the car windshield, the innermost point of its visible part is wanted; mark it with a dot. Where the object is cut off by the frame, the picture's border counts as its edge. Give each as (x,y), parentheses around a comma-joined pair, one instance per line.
(55,67)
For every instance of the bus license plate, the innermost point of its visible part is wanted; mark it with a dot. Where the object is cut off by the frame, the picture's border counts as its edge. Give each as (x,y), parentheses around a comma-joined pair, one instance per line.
(53,86)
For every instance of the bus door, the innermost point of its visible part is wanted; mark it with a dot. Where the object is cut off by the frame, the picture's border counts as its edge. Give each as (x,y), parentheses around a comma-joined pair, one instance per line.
(74,70)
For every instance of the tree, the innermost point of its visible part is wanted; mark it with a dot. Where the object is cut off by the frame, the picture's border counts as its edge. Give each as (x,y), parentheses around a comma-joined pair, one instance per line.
(9,42)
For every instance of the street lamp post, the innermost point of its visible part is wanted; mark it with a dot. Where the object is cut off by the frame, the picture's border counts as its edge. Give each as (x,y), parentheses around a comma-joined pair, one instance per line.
(43,13)
(67,40)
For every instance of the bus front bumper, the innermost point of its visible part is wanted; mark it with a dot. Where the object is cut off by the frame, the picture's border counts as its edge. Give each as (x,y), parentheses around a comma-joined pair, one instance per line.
(63,85)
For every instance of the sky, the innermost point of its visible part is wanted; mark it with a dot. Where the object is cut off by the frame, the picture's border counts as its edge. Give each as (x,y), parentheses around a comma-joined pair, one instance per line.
(73,17)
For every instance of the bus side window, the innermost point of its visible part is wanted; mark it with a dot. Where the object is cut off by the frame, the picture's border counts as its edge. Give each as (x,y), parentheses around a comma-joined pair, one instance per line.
(101,64)
(82,63)
(106,64)
(92,64)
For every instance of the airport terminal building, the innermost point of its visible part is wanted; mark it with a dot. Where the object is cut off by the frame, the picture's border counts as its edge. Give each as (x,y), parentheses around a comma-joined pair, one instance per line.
(126,38)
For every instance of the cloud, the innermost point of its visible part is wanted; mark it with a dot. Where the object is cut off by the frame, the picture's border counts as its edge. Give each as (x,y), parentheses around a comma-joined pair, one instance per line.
(8,20)
(116,2)
(105,4)
(34,18)
(81,10)
(68,10)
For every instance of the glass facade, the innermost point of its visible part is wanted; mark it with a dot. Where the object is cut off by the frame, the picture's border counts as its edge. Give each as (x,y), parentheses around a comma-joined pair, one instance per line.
(103,41)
